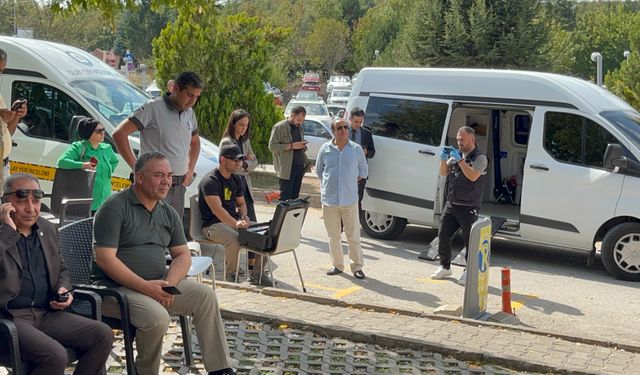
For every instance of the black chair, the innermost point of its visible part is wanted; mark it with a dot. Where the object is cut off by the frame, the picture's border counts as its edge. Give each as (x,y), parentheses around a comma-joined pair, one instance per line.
(85,303)
(71,194)
(76,247)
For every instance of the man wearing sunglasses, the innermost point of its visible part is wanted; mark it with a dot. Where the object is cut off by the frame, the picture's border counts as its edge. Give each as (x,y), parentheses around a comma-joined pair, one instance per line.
(340,165)
(32,275)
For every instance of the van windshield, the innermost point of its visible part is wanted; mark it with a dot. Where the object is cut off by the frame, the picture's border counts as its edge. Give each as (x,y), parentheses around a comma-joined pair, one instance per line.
(628,122)
(114,99)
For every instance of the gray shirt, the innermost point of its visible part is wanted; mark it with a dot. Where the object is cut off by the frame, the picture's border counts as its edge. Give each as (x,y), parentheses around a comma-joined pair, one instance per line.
(141,237)
(165,129)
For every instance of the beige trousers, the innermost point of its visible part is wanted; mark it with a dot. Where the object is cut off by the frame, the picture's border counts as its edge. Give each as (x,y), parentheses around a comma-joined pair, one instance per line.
(348,215)
(151,320)
(223,234)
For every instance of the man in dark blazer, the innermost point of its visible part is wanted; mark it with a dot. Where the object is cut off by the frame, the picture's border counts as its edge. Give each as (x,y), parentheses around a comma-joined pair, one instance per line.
(364,138)
(32,275)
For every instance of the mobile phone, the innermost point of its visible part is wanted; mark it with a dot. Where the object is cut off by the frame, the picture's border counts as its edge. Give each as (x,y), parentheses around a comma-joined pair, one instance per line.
(17,105)
(62,297)
(93,161)
(171,289)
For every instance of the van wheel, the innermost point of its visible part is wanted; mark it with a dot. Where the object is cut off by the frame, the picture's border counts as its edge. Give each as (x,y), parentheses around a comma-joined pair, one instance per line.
(381,226)
(621,251)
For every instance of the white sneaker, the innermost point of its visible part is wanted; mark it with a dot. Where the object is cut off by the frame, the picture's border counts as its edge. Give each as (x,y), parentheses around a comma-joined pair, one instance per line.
(441,273)
(463,279)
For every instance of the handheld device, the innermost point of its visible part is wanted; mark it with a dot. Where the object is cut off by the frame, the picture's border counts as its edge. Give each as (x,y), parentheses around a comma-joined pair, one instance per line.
(93,161)
(171,289)
(62,297)
(17,105)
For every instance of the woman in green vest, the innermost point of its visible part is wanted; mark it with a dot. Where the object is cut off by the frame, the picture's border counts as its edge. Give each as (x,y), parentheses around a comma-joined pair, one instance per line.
(91,153)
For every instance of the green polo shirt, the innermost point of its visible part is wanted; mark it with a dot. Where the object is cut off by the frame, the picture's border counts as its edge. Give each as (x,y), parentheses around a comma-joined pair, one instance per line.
(141,237)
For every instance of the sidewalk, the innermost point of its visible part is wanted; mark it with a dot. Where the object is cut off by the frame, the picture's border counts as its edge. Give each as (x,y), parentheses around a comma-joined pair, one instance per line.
(465,339)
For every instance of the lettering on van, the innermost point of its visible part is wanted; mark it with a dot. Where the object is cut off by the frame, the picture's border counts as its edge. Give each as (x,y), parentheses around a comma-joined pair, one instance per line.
(87,71)
(46,173)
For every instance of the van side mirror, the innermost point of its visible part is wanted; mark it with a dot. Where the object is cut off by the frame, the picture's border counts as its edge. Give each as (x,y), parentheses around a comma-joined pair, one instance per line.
(613,152)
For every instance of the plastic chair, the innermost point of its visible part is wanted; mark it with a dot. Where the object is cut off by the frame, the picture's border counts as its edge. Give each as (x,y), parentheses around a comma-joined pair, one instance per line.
(71,194)
(278,236)
(195,231)
(76,247)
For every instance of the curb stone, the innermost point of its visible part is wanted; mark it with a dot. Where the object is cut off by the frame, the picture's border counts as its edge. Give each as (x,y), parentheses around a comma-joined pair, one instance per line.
(282,293)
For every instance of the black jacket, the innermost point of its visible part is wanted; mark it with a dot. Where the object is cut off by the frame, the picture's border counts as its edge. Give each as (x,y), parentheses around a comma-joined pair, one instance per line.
(367,142)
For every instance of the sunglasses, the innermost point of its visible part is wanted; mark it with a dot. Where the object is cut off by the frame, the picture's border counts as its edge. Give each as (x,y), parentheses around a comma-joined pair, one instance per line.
(24,193)
(344,127)
(101,130)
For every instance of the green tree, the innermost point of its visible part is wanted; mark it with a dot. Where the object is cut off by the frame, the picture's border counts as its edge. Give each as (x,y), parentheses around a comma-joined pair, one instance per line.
(232,58)
(625,81)
(136,29)
(327,44)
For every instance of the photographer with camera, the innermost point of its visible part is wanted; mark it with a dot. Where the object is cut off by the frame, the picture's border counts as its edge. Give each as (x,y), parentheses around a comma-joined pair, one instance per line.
(465,170)
(8,123)
(35,288)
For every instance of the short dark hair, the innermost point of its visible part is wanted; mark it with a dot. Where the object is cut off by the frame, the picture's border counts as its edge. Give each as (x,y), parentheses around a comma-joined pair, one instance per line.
(230,130)
(189,79)
(467,129)
(145,158)
(356,112)
(298,110)
(7,187)
(3,55)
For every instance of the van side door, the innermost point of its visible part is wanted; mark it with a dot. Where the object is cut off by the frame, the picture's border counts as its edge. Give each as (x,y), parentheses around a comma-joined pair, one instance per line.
(403,175)
(567,193)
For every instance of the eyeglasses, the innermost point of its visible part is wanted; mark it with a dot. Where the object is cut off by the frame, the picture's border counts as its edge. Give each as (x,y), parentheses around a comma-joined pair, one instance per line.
(344,127)
(24,193)
(101,130)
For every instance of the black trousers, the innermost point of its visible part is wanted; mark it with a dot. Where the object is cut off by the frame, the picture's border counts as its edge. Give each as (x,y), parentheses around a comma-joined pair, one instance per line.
(44,334)
(361,185)
(454,217)
(290,189)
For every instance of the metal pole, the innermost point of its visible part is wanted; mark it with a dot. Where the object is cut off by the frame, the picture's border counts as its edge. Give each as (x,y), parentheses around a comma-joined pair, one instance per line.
(597,58)
(15,20)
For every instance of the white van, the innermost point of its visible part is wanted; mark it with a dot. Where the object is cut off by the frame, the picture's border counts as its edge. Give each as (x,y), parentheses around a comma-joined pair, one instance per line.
(60,82)
(563,156)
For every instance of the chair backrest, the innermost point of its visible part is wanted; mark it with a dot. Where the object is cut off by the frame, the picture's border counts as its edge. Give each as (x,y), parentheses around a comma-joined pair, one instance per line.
(287,222)
(73,127)
(76,247)
(195,220)
(72,183)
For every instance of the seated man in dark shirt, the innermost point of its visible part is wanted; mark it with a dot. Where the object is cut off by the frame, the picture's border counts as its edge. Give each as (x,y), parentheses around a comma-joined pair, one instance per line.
(32,273)
(132,231)
(224,211)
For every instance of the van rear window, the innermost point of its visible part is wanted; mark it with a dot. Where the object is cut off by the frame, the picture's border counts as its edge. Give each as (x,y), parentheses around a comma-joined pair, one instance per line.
(408,120)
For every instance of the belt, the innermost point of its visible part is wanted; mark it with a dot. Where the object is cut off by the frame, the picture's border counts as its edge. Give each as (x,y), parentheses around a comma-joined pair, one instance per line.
(5,161)
(177,180)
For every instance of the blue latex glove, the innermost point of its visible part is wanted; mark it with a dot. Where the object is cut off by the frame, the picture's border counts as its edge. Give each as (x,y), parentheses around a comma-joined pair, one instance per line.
(444,153)
(455,154)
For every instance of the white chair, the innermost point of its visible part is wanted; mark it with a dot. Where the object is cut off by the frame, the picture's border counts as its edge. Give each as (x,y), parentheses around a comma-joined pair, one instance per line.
(281,236)
(195,231)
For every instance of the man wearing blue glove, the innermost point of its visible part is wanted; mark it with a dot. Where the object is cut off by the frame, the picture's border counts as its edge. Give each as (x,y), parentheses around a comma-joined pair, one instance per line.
(463,194)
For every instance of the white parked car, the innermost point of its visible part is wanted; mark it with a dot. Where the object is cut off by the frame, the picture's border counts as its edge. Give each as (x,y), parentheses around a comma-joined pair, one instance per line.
(338,97)
(338,82)
(313,107)
(317,130)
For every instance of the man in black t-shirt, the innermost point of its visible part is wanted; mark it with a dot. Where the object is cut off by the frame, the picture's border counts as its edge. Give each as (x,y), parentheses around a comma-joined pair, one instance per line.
(222,206)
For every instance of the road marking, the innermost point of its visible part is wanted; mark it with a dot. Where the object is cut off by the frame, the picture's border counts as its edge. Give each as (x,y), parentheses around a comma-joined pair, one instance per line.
(517,304)
(322,287)
(347,291)
(431,281)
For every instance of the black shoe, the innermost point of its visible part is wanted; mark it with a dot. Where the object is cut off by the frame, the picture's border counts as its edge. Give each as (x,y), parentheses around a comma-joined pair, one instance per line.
(226,371)
(334,271)
(254,278)
(358,274)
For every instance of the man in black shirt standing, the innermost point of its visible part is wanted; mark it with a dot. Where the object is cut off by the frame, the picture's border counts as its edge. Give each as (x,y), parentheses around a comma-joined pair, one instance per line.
(223,208)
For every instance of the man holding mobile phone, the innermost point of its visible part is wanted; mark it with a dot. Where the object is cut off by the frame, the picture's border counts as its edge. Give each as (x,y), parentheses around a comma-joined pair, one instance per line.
(133,229)
(9,119)
(35,288)
(288,146)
